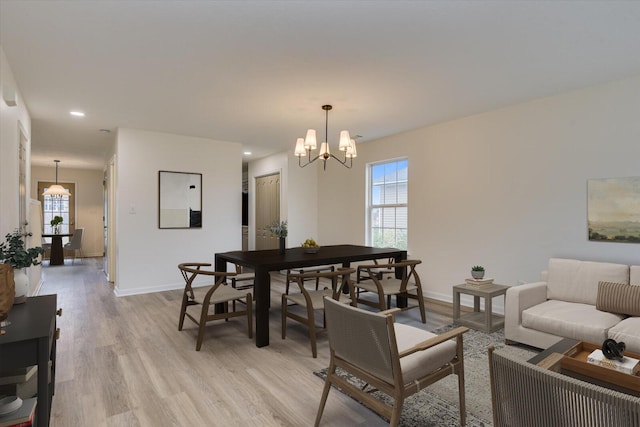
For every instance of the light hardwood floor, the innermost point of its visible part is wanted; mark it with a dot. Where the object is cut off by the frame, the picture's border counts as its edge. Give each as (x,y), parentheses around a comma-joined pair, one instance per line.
(123,362)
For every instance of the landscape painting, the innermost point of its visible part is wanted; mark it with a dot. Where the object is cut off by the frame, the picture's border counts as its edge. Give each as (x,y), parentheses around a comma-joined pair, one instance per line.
(614,209)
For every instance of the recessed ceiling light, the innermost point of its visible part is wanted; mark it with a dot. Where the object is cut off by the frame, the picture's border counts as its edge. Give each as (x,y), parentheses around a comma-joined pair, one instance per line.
(77,113)
(247,153)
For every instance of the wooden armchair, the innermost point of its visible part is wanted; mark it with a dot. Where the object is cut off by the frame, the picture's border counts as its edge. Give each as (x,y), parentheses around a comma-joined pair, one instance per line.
(396,359)
(205,296)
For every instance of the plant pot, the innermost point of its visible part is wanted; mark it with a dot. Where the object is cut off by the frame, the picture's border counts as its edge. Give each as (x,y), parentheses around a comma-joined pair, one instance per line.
(22,285)
(282,246)
(477,274)
(7,292)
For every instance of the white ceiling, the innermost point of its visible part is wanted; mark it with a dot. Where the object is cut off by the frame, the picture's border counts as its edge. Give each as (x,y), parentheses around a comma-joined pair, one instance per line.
(258,72)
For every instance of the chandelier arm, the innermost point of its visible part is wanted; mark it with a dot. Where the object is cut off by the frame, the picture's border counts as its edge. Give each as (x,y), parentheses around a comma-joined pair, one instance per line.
(344,162)
(308,161)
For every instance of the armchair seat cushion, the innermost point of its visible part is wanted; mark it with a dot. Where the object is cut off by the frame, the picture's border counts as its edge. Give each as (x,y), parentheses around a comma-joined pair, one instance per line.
(571,320)
(420,363)
(627,331)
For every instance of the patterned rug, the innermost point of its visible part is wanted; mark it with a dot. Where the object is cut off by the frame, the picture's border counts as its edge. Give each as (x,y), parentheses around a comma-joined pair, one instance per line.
(437,405)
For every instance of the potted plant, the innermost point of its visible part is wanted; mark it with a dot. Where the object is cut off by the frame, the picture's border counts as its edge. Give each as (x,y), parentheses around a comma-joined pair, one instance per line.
(477,272)
(279,229)
(55,224)
(14,253)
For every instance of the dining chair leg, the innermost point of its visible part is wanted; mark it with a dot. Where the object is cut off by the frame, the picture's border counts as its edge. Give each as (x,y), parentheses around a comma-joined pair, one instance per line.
(312,331)
(183,311)
(201,325)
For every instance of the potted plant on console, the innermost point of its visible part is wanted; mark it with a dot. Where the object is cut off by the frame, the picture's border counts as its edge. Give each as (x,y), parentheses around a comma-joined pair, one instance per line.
(14,253)
(279,229)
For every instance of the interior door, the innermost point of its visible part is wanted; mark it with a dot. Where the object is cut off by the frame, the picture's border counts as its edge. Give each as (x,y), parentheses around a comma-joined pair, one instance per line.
(267,210)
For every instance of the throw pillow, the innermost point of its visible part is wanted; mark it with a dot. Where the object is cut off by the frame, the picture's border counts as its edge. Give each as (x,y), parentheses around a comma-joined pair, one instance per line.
(618,298)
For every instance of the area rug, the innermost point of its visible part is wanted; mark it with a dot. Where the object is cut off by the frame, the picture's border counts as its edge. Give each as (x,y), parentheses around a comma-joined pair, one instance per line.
(437,405)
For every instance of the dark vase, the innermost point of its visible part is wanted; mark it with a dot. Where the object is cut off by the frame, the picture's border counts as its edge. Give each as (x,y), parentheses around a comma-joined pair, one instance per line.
(282,246)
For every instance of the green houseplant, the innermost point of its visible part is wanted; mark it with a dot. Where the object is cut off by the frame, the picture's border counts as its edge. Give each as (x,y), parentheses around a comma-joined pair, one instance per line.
(14,253)
(279,229)
(477,272)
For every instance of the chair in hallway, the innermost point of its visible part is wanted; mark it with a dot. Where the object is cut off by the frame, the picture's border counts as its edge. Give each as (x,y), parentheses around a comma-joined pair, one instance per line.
(396,359)
(310,300)
(75,244)
(206,296)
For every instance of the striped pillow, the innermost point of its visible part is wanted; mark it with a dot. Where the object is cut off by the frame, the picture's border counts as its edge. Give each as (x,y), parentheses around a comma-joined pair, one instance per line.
(618,298)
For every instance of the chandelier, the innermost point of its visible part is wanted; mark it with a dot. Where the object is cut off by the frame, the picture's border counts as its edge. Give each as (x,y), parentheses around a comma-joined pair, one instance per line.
(56,190)
(305,145)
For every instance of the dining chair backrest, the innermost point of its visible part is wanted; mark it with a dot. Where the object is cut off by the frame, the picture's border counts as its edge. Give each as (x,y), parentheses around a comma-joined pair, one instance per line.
(76,239)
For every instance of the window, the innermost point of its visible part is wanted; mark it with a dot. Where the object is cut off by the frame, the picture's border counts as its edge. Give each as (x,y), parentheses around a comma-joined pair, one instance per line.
(388,204)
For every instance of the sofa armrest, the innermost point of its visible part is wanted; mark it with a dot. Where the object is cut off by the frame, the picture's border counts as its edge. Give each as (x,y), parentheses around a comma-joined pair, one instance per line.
(519,298)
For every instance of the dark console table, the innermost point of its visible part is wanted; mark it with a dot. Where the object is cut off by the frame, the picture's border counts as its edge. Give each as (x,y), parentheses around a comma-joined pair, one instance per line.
(30,340)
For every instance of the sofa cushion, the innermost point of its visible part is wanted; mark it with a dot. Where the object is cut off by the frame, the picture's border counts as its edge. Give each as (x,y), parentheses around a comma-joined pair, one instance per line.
(577,281)
(627,331)
(570,320)
(634,275)
(619,298)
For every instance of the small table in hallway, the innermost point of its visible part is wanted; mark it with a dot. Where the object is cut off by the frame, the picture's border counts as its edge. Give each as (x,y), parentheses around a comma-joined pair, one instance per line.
(57,253)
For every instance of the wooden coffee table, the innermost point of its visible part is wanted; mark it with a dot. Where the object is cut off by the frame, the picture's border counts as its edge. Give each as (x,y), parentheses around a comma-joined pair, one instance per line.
(486,321)
(568,356)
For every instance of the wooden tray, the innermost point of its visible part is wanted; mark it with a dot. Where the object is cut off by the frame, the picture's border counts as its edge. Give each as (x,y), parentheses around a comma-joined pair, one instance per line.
(575,360)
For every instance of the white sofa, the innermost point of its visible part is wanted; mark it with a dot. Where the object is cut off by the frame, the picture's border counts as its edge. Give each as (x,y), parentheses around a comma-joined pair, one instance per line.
(563,304)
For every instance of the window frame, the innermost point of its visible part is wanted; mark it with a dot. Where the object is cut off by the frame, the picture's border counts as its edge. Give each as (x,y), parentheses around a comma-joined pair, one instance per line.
(369,238)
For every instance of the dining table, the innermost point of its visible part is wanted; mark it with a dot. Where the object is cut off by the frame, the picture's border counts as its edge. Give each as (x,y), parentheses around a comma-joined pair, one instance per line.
(262,262)
(57,253)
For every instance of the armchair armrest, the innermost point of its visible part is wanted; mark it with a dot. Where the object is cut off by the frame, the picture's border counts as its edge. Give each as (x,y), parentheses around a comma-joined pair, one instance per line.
(434,341)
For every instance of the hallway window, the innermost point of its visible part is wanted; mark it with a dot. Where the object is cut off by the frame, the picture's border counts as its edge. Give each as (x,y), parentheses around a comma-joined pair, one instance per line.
(387,205)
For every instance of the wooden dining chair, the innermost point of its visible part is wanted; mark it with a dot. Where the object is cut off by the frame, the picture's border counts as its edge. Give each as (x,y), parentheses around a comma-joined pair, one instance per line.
(311,300)
(206,296)
(396,359)
(408,286)
(315,269)
(379,272)
(242,279)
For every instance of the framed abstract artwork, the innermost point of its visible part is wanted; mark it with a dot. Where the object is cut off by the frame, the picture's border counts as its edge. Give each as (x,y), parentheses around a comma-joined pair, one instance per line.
(613,209)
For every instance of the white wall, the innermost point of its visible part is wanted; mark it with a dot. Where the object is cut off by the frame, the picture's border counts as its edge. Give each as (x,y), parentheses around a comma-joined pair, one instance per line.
(298,196)
(13,121)
(147,257)
(89,201)
(506,189)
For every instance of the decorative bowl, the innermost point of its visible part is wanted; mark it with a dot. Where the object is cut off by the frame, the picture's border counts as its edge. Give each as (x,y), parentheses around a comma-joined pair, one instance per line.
(311,250)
